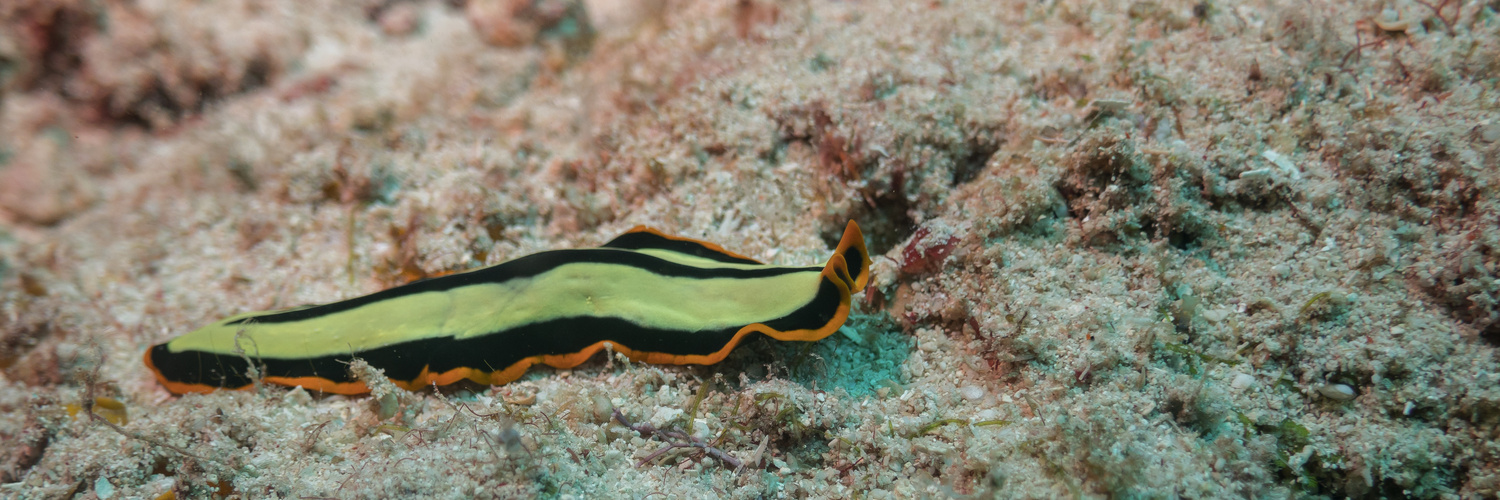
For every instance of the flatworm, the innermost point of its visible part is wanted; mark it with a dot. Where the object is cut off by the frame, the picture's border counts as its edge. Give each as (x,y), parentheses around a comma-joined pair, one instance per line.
(656,298)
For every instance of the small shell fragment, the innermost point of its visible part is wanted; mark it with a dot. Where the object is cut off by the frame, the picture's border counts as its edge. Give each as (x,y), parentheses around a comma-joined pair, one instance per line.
(1242,381)
(1338,392)
(971,392)
(526,400)
(1111,105)
(1490,133)
(1282,162)
(1391,22)
(1393,26)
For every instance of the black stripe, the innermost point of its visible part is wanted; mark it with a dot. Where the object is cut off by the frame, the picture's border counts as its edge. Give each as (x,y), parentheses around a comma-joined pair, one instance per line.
(524,267)
(643,239)
(856,261)
(491,352)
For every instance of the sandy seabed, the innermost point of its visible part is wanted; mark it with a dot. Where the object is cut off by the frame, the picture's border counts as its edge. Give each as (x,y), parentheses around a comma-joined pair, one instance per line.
(1123,249)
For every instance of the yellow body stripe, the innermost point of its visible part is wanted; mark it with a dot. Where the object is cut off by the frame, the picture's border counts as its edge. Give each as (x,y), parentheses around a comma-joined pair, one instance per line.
(583,289)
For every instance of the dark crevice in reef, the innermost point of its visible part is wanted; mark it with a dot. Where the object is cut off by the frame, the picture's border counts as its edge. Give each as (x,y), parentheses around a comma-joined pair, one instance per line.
(161,104)
(51,57)
(1491,334)
(1113,196)
(979,150)
(1464,282)
(886,222)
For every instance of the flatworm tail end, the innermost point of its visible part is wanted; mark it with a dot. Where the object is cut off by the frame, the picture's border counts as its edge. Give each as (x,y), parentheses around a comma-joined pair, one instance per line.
(175,386)
(204,372)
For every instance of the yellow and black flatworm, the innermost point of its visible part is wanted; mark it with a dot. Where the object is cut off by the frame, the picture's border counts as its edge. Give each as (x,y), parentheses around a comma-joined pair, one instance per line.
(656,298)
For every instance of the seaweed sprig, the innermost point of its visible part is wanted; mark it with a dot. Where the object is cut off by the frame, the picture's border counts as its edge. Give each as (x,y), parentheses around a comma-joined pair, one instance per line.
(675,439)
